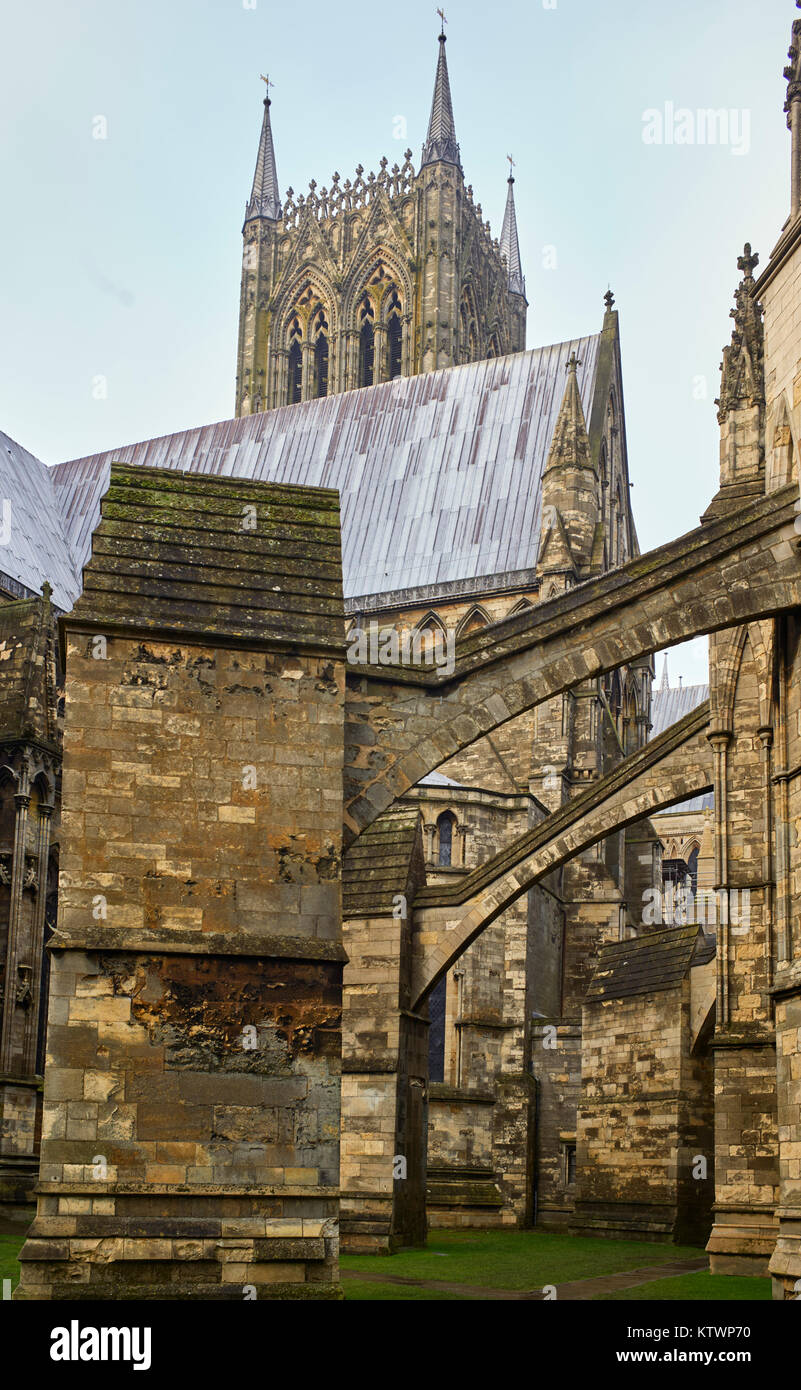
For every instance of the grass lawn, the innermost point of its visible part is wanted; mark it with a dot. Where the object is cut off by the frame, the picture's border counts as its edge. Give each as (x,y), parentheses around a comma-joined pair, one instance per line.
(528,1260)
(517,1259)
(10,1247)
(699,1286)
(511,1260)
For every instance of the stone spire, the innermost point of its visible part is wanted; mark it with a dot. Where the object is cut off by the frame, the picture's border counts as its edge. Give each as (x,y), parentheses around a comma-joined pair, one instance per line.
(665,685)
(264,198)
(441,139)
(570,491)
(792,107)
(510,246)
(742,380)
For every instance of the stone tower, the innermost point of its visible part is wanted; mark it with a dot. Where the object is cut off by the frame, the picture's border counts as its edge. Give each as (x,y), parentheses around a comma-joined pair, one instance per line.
(374,278)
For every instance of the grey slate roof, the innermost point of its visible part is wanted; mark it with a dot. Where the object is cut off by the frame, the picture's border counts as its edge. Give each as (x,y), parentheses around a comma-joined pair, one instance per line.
(668,705)
(37,548)
(671,704)
(439,474)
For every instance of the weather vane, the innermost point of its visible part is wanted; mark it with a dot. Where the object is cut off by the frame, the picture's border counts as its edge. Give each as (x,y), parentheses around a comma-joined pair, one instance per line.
(441,14)
(511,164)
(267,82)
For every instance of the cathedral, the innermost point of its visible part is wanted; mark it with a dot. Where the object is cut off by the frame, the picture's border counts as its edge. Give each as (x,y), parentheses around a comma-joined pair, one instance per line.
(304,950)
(373,279)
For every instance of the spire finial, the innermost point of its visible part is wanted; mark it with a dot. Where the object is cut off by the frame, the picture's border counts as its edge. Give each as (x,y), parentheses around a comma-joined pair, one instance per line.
(609,301)
(510,242)
(265,200)
(573,362)
(441,141)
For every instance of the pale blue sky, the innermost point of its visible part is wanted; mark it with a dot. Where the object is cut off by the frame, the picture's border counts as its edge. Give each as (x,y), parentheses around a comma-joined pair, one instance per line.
(121,257)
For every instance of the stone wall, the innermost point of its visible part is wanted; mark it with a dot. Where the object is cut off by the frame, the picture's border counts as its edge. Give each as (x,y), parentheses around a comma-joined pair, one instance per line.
(191,1132)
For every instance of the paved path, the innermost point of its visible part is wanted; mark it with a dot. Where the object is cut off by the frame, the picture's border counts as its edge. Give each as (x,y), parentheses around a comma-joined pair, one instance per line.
(576,1290)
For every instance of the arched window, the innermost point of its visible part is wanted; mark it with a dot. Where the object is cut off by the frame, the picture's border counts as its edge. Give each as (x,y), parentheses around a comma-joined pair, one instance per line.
(437,1001)
(295,365)
(394,338)
(692,869)
(445,824)
(366,343)
(321,366)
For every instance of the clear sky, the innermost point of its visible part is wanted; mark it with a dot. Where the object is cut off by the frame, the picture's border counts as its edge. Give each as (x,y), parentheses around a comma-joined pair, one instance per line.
(121,255)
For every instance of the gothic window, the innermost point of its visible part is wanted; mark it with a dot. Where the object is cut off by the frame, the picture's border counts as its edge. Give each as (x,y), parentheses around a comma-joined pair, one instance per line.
(692,869)
(295,364)
(467,323)
(445,824)
(321,366)
(366,343)
(320,339)
(394,338)
(494,349)
(437,1000)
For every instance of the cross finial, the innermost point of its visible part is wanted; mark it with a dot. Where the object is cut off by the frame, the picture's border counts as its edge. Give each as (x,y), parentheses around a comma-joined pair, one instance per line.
(609,300)
(441,14)
(268,84)
(748,263)
(572,363)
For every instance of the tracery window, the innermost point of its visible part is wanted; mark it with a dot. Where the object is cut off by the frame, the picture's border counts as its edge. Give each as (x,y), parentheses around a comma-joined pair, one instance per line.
(320,340)
(445,824)
(295,365)
(394,338)
(366,342)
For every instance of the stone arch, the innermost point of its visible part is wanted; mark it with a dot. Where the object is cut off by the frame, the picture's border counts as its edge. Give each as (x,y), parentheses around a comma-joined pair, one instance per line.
(432,622)
(495,346)
(308,291)
(469,323)
(474,620)
(523,605)
(378,273)
(733,569)
(674,767)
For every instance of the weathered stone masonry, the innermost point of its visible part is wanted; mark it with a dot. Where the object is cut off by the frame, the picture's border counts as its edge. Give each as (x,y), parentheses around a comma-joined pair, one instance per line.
(191,1133)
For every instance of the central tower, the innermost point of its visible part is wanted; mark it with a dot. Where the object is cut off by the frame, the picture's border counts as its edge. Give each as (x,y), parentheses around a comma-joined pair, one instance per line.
(370,279)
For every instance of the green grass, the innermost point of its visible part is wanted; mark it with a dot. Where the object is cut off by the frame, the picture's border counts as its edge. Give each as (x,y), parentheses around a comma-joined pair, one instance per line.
(515,1259)
(356,1291)
(10,1247)
(699,1287)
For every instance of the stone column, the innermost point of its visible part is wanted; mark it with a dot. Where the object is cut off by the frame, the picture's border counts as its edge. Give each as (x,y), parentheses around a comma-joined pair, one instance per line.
(380,354)
(37,939)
